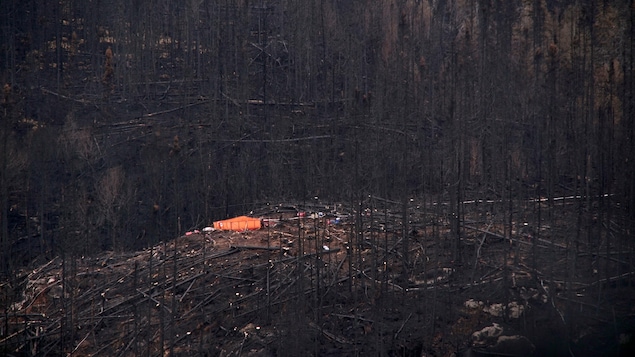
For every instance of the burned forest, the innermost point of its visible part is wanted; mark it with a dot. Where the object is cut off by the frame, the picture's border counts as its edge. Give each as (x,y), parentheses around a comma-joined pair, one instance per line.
(317,178)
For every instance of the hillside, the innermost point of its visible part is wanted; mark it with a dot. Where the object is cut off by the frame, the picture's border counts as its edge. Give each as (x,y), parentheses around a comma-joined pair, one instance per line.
(311,286)
(124,125)
(480,154)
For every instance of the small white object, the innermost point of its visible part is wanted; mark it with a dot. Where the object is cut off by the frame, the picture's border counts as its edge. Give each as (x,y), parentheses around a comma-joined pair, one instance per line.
(208,229)
(326,248)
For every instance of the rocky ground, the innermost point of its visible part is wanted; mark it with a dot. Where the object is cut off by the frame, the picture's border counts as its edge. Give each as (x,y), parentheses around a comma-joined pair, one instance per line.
(323,280)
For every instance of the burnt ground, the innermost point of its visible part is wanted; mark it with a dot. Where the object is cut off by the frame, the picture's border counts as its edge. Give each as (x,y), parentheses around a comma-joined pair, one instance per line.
(345,282)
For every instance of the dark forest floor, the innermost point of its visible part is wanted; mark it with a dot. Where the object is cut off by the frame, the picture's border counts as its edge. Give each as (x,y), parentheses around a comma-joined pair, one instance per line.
(311,286)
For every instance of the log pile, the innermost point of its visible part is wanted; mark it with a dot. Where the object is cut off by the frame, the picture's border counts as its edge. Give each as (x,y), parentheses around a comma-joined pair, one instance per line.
(305,286)
(177,296)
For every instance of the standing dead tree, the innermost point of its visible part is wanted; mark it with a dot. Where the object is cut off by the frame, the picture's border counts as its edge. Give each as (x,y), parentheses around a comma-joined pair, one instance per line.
(109,192)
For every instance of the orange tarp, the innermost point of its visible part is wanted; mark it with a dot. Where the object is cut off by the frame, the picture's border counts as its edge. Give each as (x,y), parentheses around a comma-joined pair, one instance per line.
(241,223)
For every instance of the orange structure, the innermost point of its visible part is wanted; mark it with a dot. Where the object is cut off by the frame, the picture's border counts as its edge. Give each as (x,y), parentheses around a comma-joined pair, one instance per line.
(241,223)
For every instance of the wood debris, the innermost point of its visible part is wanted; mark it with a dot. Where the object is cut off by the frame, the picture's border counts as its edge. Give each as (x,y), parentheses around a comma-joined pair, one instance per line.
(299,284)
